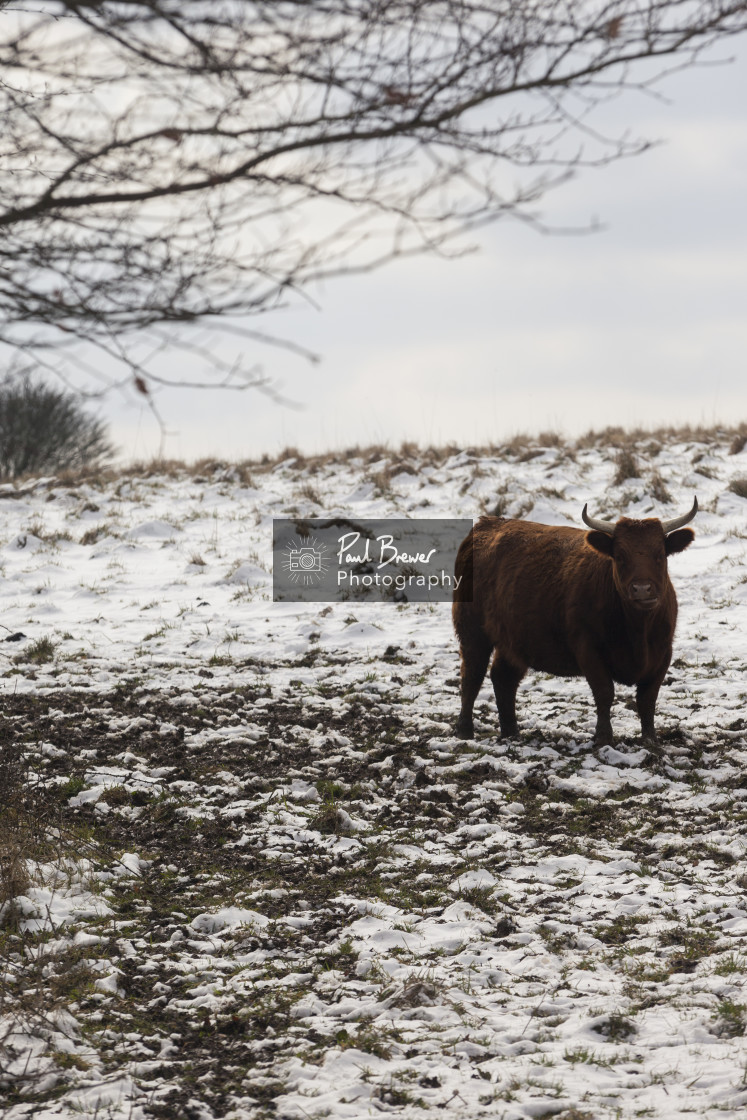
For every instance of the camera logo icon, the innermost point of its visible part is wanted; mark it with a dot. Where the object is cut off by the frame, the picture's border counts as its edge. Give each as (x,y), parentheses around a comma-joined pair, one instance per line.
(305,559)
(306,563)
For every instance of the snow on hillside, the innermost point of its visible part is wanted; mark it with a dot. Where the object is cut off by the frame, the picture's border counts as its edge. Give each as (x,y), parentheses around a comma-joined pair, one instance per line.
(257,875)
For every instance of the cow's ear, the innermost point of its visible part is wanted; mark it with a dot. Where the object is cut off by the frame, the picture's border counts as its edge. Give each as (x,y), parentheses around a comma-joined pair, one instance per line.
(679,540)
(601,542)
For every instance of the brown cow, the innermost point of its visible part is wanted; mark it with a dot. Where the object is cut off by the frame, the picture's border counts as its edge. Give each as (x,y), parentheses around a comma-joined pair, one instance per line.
(595,604)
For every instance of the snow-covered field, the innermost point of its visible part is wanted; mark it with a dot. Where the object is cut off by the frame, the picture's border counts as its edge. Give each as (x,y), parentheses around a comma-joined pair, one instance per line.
(254,873)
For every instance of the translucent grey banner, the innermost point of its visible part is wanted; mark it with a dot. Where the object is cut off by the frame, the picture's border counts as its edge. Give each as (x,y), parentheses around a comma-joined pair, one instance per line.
(400,560)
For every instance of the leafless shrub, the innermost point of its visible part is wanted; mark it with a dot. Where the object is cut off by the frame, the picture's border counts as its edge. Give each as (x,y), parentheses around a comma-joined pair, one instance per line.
(738,486)
(44,429)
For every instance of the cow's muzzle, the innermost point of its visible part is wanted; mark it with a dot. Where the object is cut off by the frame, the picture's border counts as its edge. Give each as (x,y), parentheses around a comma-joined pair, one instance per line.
(643,595)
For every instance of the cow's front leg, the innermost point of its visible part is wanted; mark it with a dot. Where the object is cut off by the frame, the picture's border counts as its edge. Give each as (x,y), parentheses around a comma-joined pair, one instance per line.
(604,696)
(603,690)
(647,693)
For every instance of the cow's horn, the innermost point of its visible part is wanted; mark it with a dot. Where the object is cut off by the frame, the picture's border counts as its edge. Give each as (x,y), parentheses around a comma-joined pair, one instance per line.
(678,522)
(593,523)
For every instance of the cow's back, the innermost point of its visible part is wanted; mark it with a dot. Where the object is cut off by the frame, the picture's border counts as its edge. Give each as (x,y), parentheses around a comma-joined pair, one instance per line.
(521,595)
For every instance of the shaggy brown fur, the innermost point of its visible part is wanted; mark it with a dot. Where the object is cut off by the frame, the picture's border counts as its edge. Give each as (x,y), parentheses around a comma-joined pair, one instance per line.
(567,602)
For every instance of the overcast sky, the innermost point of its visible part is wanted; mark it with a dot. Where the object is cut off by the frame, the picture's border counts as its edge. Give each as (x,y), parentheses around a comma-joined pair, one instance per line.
(642,323)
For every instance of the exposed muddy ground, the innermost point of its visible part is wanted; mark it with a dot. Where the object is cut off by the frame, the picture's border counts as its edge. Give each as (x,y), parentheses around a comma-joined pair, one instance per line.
(326,900)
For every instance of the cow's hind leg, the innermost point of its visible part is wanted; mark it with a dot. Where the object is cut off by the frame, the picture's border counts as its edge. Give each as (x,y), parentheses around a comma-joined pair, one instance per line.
(506,678)
(475,654)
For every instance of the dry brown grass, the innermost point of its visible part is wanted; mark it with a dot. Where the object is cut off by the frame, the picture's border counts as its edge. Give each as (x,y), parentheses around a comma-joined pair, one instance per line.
(91,536)
(22,829)
(32,986)
(311,494)
(658,488)
(739,441)
(617,436)
(522,446)
(382,480)
(514,446)
(626,466)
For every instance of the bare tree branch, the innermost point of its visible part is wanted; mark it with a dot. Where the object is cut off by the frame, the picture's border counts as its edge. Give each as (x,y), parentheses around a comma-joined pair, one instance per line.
(166,163)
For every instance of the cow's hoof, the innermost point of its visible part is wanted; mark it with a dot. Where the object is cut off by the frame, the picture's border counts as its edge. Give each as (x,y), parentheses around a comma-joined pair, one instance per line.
(604,739)
(464,730)
(510,732)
